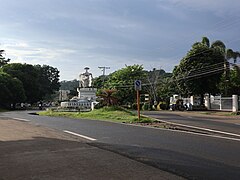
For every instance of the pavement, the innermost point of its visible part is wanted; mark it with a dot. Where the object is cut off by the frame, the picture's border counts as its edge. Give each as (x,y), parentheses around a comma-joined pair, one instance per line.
(209,121)
(29,151)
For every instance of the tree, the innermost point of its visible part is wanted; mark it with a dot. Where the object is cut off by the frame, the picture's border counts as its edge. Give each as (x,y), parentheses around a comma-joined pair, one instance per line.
(228,55)
(38,81)
(233,84)
(200,71)
(99,82)
(69,85)
(48,79)
(12,90)
(3,60)
(123,81)
(28,75)
(108,96)
(157,81)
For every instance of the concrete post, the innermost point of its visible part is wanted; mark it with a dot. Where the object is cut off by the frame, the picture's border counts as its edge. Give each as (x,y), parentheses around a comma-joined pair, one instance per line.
(207,101)
(235,103)
(220,102)
(192,100)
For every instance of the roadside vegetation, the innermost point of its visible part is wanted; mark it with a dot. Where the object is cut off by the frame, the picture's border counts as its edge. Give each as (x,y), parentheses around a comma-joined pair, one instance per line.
(112,113)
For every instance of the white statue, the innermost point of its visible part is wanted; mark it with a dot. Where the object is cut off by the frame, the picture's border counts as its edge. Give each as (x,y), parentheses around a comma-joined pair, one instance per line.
(85,79)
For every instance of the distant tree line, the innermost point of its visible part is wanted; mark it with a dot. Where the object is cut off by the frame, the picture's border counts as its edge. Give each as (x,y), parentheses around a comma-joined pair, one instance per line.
(26,83)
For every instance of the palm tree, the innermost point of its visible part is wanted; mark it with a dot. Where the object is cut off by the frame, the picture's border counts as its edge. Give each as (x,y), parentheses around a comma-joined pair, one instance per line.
(108,97)
(228,53)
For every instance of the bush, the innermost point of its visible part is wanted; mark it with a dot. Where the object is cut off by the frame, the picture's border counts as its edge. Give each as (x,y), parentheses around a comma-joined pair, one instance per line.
(98,106)
(235,113)
(146,107)
(134,106)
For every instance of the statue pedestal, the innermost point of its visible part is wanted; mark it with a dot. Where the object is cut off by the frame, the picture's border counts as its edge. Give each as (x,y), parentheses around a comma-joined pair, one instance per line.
(87,93)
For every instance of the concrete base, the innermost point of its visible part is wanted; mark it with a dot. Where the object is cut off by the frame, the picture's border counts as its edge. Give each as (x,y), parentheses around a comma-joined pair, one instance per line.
(87,93)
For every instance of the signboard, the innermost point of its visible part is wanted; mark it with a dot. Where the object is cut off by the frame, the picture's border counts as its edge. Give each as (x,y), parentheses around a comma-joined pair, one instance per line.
(138,85)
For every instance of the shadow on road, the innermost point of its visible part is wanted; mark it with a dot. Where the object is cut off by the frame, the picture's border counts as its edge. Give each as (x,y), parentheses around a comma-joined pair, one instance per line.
(50,158)
(184,165)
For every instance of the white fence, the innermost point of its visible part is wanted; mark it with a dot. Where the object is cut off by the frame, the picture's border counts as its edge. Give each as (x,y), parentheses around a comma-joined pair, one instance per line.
(222,103)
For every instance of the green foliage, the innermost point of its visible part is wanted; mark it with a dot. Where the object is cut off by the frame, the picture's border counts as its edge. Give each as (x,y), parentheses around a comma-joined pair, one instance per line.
(3,60)
(200,71)
(108,97)
(28,76)
(100,82)
(11,90)
(69,85)
(38,81)
(158,84)
(146,107)
(233,85)
(123,81)
(48,80)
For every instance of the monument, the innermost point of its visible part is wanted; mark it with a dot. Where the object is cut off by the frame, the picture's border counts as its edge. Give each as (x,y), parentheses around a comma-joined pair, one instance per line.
(85,90)
(86,98)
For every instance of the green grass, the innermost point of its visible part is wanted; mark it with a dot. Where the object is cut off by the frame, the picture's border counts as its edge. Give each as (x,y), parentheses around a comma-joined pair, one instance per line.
(113,114)
(221,113)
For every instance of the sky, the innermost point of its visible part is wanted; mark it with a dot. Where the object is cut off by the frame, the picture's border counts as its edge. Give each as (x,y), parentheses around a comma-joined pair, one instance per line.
(73,34)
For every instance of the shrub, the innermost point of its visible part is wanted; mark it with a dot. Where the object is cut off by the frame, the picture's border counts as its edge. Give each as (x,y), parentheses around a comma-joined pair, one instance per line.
(146,107)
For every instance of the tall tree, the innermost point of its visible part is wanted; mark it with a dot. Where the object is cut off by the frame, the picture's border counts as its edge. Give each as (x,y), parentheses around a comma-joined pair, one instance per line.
(200,71)
(48,79)
(3,60)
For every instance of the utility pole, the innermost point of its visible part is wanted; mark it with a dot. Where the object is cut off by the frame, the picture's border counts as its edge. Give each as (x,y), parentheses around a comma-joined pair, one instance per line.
(103,68)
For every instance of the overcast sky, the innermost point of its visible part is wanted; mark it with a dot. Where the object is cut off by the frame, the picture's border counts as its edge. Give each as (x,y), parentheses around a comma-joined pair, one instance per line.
(73,34)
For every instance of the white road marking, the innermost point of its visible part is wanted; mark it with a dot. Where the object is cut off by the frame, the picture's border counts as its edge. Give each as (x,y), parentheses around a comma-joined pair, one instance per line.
(19,119)
(186,132)
(79,135)
(200,128)
(208,135)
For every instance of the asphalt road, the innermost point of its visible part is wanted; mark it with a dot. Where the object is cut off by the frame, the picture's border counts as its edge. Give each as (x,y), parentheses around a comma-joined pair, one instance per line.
(210,122)
(189,155)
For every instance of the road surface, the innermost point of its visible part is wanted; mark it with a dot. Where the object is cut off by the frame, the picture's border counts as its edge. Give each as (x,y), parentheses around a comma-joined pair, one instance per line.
(220,123)
(192,156)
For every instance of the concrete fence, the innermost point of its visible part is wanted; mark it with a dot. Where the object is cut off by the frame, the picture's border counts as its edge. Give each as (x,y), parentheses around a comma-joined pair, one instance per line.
(222,103)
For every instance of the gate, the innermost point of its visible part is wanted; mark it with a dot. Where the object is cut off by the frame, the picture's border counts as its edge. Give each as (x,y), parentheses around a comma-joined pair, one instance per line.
(221,103)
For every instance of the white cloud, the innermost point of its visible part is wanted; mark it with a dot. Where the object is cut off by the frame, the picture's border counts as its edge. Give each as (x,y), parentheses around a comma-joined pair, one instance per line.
(33,53)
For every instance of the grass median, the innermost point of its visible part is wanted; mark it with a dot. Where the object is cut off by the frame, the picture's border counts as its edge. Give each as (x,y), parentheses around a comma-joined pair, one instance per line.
(113,114)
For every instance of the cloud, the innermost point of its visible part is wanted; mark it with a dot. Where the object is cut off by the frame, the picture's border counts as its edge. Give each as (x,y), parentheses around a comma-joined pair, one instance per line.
(34,52)
(219,7)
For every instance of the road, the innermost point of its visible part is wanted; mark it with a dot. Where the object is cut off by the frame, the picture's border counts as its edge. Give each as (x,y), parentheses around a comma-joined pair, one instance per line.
(189,155)
(188,118)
